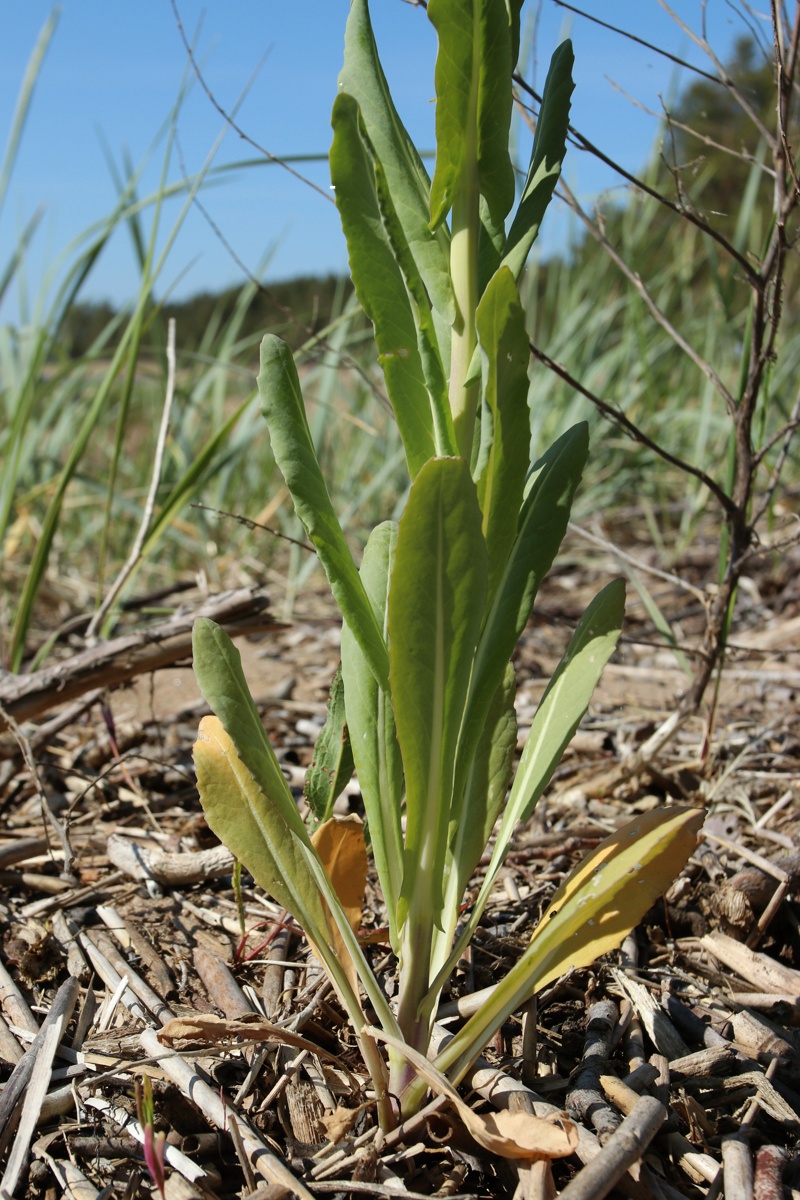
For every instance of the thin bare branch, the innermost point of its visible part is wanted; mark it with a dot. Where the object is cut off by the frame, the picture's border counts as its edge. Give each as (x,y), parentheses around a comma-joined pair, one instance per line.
(659,316)
(724,78)
(632,37)
(615,415)
(741,155)
(229,119)
(637,563)
(585,144)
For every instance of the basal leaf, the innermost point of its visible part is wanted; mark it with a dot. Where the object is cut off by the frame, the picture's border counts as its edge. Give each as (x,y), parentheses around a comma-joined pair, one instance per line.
(565,700)
(473,102)
(379,282)
(611,890)
(473,816)
(218,670)
(559,713)
(542,524)
(504,342)
(590,914)
(373,737)
(253,827)
(436,600)
(549,148)
(332,763)
(284,411)
(362,78)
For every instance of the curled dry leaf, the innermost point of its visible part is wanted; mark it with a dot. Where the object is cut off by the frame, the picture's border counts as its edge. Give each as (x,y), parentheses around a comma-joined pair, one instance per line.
(338,1124)
(518,1135)
(342,849)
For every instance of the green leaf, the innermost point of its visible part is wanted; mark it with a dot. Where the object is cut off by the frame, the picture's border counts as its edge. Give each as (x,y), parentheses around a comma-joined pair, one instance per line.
(424,318)
(379,283)
(362,78)
(254,811)
(560,711)
(436,601)
(504,341)
(491,246)
(590,914)
(542,524)
(549,148)
(218,670)
(332,763)
(565,700)
(473,102)
(252,824)
(514,10)
(283,409)
(373,737)
(485,791)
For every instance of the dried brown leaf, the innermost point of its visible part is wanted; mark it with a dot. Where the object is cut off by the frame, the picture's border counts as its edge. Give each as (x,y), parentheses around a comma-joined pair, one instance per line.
(518,1135)
(342,849)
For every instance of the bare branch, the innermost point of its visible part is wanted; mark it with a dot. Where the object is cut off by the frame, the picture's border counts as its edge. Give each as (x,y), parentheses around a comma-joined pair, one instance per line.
(741,155)
(658,315)
(637,563)
(615,415)
(228,119)
(687,215)
(632,37)
(724,78)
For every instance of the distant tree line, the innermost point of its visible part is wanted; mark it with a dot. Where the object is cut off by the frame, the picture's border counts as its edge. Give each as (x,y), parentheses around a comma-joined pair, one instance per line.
(295,308)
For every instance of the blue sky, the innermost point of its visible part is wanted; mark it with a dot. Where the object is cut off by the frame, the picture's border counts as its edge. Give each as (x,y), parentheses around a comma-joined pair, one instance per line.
(114,69)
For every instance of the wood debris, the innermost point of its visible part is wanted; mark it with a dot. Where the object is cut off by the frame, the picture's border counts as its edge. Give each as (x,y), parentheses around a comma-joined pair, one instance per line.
(125,954)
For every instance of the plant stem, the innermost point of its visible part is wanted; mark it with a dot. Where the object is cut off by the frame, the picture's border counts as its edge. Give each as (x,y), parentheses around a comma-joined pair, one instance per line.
(464,274)
(415,956)
(377,1069)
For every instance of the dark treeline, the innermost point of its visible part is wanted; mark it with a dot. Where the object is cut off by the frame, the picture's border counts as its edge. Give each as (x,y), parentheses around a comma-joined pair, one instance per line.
(295,308)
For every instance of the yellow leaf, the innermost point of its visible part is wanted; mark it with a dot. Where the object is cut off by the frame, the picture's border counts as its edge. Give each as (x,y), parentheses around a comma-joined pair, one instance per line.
(611,890)
(253,827)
